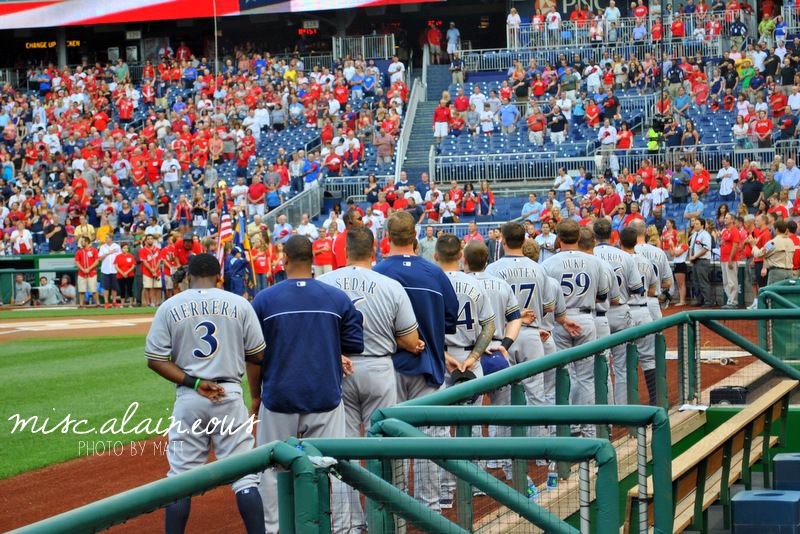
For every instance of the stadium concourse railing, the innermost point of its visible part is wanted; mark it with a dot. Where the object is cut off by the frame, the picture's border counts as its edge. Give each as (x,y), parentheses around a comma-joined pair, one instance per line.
(308,201)
(365,46)
(584,33)
(304,490)
(537,166)
(487,59)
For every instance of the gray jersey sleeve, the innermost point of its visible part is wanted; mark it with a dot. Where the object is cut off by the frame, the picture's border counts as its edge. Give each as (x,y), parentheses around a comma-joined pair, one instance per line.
(552,292)
(253,335)
(632,275)
(158,344)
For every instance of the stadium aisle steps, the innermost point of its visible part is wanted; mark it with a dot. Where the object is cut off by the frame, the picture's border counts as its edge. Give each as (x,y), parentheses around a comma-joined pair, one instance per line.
(420,142)
(439,79)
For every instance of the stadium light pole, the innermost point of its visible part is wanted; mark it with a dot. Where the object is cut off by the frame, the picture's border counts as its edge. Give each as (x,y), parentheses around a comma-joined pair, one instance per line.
(216,42)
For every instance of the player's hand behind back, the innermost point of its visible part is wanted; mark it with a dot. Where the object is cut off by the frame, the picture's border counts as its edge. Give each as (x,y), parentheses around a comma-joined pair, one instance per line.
(211,390)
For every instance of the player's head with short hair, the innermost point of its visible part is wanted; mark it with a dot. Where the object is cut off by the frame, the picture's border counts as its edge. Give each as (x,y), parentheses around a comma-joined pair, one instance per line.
(203,267)
(513,234)
(360,244)
(792,226)
(476,255)
(400,227)
(780,226)
(602,229)
(352,218)
(628,237)
(638,225)
(568,231)
(586,241)
(531,249)
(298,251)
(448,248)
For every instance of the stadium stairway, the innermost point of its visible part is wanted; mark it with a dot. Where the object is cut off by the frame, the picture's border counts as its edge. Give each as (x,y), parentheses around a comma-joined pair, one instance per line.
(439,79)
(419,144)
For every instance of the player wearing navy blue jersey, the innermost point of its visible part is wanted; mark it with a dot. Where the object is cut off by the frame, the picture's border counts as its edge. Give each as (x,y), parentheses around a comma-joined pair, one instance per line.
(301,380)
(436,309)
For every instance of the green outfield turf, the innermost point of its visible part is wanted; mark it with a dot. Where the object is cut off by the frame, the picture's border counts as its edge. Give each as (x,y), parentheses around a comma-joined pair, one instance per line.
(34,313)
(94,379)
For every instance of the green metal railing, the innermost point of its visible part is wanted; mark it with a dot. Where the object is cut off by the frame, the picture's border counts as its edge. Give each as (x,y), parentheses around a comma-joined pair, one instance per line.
(465,417)
(309,488)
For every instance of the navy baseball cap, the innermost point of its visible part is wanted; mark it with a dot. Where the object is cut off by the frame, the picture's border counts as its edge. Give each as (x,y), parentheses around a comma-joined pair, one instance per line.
(493,362)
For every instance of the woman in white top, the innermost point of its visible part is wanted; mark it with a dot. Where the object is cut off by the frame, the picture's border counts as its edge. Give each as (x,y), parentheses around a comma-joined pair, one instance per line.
(645,202)
(741,133)
(679,254)
(742,106)
(447,210)
(513,22)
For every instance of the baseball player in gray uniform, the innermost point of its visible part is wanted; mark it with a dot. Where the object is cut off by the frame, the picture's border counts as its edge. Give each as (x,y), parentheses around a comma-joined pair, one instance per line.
(527,280)
(664,275)
(587,243)
(474,330)
(619,317)
(204,339)
(640,314)
(582,284)
(389,322)
(507,324)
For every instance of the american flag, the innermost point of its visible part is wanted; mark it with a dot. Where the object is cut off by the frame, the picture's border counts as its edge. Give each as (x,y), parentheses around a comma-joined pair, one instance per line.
(225,233)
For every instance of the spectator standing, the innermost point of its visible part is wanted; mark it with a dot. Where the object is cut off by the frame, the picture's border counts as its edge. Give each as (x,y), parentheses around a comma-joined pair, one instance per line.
(107,255)
(427,245)
(21,240)
(49,295)
(125,264)
(453,37)
(297,403)
(86,259)
(457,69)
(322,249)
(778,255)
(282,231)
(700,257)
(730,247)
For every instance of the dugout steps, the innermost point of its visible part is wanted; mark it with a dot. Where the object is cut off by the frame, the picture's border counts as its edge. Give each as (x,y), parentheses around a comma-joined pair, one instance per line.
(685,426)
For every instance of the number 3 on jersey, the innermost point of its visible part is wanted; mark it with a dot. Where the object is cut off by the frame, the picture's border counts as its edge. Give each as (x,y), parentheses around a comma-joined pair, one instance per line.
(208,329)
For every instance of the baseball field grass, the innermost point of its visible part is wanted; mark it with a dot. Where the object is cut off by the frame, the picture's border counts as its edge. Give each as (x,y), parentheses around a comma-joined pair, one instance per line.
(92,380)
(36,313)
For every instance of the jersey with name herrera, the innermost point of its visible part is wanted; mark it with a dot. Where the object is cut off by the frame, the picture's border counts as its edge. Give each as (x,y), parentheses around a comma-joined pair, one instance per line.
(436,308)
(307,326)
(205,332)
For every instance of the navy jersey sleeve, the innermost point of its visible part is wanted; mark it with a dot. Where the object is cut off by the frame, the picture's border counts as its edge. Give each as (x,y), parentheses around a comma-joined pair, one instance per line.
(352,330)
(450,304)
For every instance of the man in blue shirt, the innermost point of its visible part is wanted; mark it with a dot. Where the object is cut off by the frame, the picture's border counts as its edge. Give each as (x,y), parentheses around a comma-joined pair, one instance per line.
(189,75)
(311,169)
(509,115)
(369,84)
(694,209)
(436,308)
(299,390)
(532,209)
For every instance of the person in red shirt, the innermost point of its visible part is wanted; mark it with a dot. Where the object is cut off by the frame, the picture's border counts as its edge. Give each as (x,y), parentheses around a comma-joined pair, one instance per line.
(351,219)
(592,114)
(775,206)
(456,194)
(261,256)
(441,121)
(608,202)
(729,243)
(763,129)
(624,137)
(792,226)
(640,11)
(255,196)
(677,29)
(341,93)
(125,264)
(381,205)
(657,30)
(700,180)
(461,101)
(100,121)
(79,185)
(433,37)
(758,238)
(151,279)
(186,247)
(87,260)
(322,249)
(125,107)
